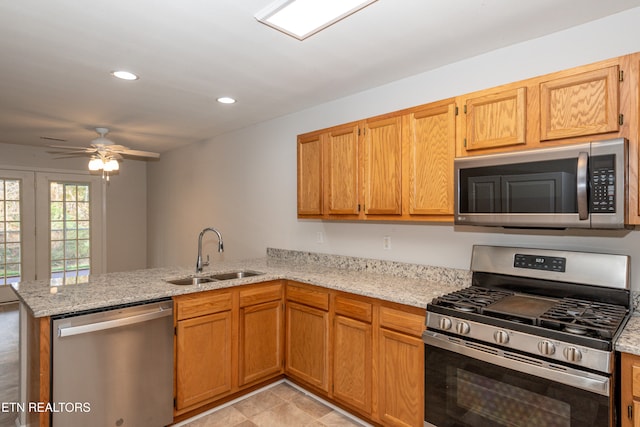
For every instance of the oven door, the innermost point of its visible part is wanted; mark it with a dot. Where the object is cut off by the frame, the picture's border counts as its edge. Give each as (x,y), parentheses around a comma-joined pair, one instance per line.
(468,385)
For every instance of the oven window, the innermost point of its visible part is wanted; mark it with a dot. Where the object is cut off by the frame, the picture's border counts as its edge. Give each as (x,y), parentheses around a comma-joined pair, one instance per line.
(505,404)
(464,392)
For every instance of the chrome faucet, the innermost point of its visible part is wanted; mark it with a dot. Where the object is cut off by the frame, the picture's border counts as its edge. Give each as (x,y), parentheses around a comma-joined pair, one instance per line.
(199,263)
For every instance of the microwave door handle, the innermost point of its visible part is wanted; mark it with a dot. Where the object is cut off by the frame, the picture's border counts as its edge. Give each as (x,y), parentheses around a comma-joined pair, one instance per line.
(583,206)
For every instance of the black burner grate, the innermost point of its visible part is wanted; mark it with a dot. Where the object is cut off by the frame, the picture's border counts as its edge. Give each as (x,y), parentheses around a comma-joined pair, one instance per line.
(582,317)
(471,299)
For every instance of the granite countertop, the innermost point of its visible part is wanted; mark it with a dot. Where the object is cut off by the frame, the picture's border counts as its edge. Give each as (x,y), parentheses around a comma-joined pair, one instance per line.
(410,284)
(629,339)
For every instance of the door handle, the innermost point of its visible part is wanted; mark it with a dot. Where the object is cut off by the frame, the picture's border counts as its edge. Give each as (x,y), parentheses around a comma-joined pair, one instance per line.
(115,323)
(581,185)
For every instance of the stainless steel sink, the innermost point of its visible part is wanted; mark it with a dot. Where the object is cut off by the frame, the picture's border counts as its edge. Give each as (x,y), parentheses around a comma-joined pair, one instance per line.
(196,280)
(235,275)
(190,280)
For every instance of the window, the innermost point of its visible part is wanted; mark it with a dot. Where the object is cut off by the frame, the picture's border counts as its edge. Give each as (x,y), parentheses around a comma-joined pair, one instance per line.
(70,225)
(10,235)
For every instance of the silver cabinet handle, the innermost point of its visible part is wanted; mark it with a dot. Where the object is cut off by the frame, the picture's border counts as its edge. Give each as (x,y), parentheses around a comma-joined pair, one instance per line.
(110,324)
(581,189)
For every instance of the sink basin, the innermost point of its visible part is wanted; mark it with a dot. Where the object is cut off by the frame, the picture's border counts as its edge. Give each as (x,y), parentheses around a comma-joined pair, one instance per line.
(235,275)
(190,280)
(196,280)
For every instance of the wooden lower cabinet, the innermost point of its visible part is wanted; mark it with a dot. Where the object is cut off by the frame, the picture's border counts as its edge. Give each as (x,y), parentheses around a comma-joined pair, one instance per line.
(630,390)
(361,353)
(307,345)
(226,341)
(203,358)
(352,360)
(401,379)
(261,335)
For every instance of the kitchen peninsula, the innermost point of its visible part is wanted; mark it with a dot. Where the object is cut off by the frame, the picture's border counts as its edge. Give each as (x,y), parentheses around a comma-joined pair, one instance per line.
(349,301)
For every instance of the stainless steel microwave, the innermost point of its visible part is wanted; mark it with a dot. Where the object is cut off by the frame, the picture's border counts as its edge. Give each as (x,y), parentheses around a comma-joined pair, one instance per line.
(572,186)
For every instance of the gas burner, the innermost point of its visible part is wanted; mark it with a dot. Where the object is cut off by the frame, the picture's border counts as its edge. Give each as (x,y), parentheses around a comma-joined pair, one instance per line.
(584,317)
(471,299)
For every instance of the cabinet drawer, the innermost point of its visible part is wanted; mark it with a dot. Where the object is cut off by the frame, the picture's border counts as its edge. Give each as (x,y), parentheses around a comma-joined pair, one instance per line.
(201,304)
(354,309)
(308,296)
(408,323)
(259,294)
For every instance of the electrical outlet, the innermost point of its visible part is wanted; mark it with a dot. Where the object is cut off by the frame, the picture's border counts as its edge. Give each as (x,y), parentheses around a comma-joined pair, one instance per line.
(386,243)
(319,237)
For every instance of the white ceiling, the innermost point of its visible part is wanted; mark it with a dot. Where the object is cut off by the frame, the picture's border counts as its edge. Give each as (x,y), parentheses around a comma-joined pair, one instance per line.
(55,59)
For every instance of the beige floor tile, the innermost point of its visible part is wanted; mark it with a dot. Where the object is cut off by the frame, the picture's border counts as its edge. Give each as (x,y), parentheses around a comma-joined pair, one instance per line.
(286,392)
(258,403)
(336,419)
(311,406)
(225,417)
(284,415)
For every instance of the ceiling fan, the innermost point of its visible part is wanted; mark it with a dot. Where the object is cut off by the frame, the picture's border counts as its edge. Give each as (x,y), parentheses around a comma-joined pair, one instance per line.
(105,154)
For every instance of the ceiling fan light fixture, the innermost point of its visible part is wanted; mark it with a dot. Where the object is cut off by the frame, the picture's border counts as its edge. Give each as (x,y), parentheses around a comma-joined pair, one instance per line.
(111,165)
(96,164)
(124,75)
(303,18)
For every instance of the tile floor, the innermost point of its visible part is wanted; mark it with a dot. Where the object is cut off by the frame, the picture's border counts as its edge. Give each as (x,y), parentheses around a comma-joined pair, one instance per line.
(279,406)
(9,365)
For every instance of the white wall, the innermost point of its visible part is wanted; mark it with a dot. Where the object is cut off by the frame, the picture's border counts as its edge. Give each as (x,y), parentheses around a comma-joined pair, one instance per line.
(126,201)
(244,183)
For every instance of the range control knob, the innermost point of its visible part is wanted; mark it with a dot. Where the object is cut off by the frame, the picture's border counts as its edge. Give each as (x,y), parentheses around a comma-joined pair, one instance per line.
(501,337)
(445,323)
(546,347)
(463,328)
(572,354)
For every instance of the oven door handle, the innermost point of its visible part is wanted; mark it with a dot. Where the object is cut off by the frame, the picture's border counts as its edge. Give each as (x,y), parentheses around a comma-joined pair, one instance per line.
(588,381)
(582,183)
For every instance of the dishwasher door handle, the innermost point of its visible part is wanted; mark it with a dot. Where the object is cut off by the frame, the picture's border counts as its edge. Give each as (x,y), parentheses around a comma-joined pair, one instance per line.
(115,323)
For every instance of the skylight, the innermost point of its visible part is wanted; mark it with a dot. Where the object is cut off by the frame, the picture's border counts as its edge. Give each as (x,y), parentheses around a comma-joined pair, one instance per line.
(303,18)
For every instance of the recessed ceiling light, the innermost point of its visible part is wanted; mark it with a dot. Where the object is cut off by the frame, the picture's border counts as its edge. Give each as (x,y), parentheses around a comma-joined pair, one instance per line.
(226,100)
(124,75)
(302,18)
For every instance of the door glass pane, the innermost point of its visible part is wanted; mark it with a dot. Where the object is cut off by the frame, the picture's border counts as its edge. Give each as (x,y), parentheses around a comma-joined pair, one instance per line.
(70,225)
(10,231)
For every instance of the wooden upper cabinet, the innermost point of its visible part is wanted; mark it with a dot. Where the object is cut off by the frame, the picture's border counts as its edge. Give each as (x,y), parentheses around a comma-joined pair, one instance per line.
(580,104)
(431,140)
(310,186)
(342,170)
(382,166)
(496,120)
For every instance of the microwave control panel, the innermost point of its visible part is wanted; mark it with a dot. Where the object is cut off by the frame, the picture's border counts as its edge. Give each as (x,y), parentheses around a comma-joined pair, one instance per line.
(603,184)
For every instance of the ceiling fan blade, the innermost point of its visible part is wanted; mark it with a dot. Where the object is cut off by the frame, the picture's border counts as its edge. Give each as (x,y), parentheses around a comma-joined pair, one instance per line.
(78,149)
(138,153)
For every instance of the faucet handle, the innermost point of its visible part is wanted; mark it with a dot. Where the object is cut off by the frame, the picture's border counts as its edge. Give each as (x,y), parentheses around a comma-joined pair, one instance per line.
(206,263)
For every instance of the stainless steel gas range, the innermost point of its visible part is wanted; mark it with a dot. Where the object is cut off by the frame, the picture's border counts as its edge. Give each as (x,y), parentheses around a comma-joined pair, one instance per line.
(530,343)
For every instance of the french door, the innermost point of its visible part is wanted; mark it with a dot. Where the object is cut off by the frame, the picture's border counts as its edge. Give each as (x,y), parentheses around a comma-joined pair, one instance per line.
(51,228)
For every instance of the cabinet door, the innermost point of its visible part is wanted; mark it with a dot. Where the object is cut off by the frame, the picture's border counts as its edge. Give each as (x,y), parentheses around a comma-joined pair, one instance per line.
(352,360)
(382,166)
(307,341)
(630,390)
(581,104)
(261,328)
(431,140)
(203,358)
(496,120)
(342,170)
(310,201)
(401,379)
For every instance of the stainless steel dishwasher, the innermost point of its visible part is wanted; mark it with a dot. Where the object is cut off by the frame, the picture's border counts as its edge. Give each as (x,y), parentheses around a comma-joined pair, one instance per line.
(114,367)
